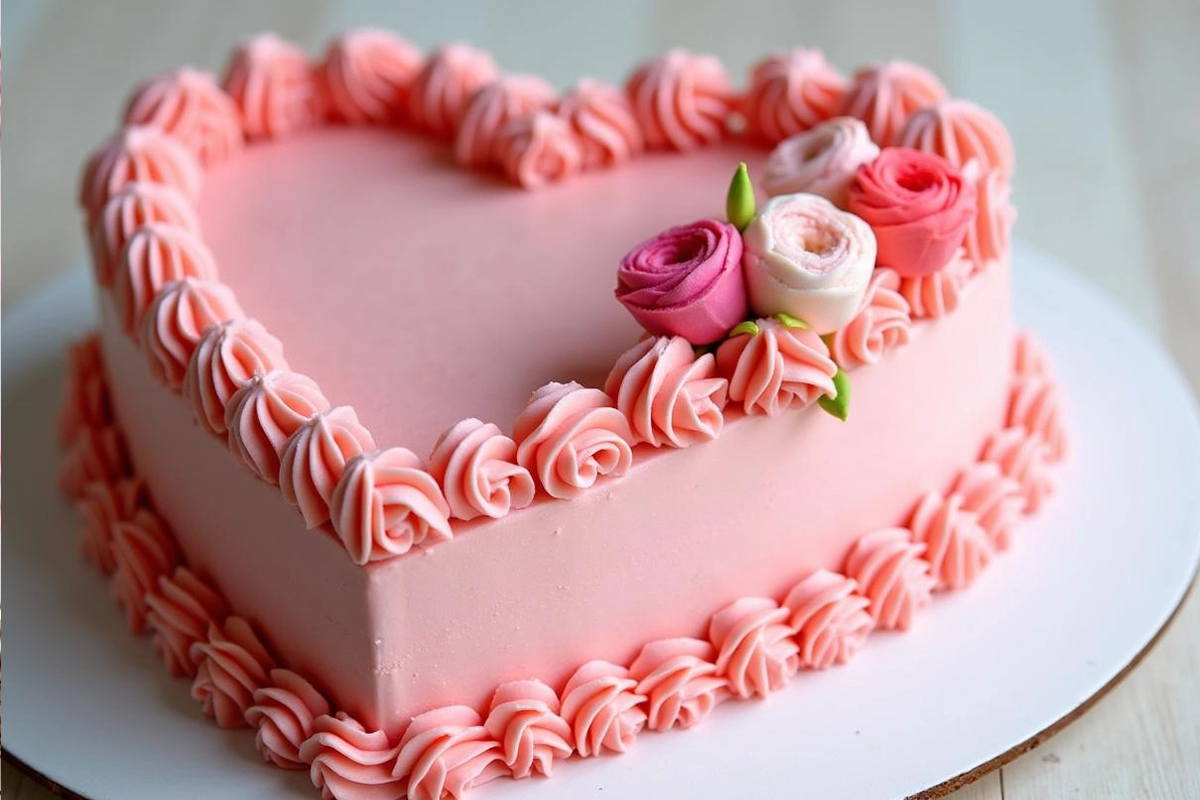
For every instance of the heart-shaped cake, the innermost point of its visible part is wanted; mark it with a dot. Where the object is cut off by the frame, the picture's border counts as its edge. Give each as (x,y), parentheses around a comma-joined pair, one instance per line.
(440,426)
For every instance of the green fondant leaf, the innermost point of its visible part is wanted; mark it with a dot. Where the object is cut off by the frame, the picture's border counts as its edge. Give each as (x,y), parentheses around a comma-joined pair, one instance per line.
(749,326)
(739,202)
(789,321)
(838,405)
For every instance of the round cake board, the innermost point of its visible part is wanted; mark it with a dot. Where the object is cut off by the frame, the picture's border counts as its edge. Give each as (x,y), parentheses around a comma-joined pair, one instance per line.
(1087,586)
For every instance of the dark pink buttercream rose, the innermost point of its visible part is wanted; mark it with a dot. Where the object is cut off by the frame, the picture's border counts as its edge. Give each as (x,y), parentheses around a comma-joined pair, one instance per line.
(686,281)
(919,206)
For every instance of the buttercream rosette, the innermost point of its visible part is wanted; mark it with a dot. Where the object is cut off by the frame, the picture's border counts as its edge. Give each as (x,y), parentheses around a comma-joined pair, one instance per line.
(989,239)
(678,678)
(135,206)
(274,87)
(604,124)
(773,365)
(179,612)
(829,617)
(445,753)
(315,458)
(888,566)
(368,76)
(993,497)
(142,551)
(476,466)
(537,148)
(490,109)
(823,160)
(138,154)
(86,403)
(601,704)
(881,325)
(806,258)
(232,663)
(1024,457)
(755,649)
(348,762)
(189,106)
(524,719)
(176,321)
(960,131)
(937,294)
(95,454)
(156,255)
(956,546)
(681,100)
(263,414)
(885,95)
(227,357)
(790,93)
(444,84)
(101,505)
(284,716)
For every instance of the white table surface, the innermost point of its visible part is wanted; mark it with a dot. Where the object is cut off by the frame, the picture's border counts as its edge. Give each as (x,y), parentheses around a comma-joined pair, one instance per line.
(1100,96)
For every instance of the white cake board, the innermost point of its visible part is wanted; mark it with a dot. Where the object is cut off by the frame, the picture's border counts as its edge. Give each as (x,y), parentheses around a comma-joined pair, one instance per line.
(1088,585)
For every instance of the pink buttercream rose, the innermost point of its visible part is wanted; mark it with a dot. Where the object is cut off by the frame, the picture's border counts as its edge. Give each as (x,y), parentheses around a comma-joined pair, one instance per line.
(821,161)
(919,206)
(686,281)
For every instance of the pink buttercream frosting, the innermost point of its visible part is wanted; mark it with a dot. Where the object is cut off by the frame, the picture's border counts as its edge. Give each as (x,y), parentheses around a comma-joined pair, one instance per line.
(155,255)
(179,611)
(681,100)
(1036,405)
(446,752)
(274,88)
(755,650)
(95,454)
(524,719)
(537,148)
(989,239)
(191,107)
(385,504)
(315,458)
(823,160)
(101,505)
(444,85)
(829,617)
(881,325)
(490,109)
(226,358)
(232,664)
(1029,358)
(1024,457)
(888,566)
(959,131)
(177,319)
(686,281)
(263,414)
(604,124)
(283,716)
(885,95)
(476,465)
(142,551)
(790,93)
(669,395)
(368,76)
(678,678)
(777,368)
(135,206)
(956,546)
(349,762)
(138,154)
(938,294)
(993,498)
(601,704)
(569,437)
(86,403)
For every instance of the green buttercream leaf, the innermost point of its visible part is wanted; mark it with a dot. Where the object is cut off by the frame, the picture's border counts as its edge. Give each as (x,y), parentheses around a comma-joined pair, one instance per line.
(749,326)
(788,321)
(739,203)
(839,405)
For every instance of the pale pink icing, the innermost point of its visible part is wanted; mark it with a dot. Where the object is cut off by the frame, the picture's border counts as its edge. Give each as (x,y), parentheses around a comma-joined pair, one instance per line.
(779,367)
(385,504)
(888,566)
(681,100)
(678,678)
(669,395)
(538,148)
(993,498)
(368,75)
(881,325)
(264,412)
(601,704)
(569,437)
(956,546)
(989,238)
(755,650)
(960,131)
(348,762)
(102,505)
(829,617)
(790,93)
(134,206)
(445,83)
(231,664)
(490,109)
(283,715)
(177,319)
(137,154)
(1025,458)
(446,752)
(476,466)
(524,719)
(190,107)
(155,255)
(142,551)
(885,95)
(86,402)
(1036,405)
(226,357)
(602,118)
(1030,360)
(179,611)
(274,87)
(315,457)
(935,295)
(96,454)
(820,161)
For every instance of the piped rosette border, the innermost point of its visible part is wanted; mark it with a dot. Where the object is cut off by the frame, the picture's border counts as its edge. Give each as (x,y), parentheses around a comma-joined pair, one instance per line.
(856,240)
(752,647)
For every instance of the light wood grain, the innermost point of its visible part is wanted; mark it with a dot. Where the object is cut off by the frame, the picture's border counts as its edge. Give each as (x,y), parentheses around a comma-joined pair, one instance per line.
(1099,95)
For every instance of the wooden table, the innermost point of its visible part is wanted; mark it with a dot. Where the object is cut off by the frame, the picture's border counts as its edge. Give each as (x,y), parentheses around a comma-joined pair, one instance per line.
(1100,96)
